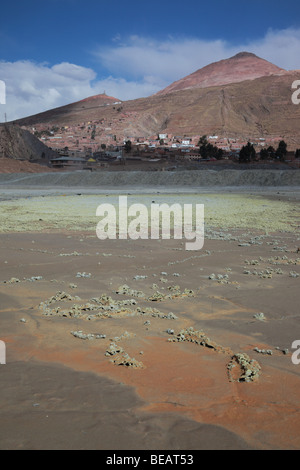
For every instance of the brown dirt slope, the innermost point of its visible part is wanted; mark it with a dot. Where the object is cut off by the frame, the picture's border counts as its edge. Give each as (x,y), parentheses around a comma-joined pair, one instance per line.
(18,143)
(73,112)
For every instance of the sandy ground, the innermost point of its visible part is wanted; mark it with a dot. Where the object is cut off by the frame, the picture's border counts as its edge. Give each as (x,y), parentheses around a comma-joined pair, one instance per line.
(10,165)
(90,368)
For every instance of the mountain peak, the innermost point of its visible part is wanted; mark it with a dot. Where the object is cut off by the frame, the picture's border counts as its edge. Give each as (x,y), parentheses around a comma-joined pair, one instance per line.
(243,66)
(244,54)
(102,98)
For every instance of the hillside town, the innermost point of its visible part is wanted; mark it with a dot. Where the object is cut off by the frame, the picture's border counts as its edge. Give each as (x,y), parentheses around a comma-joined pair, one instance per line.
(93,143)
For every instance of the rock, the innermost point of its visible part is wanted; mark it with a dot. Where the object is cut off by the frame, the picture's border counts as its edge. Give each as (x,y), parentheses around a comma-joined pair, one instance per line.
(153,312)
(124,289)
(263,351)
(113,349)
(13,280)
(248,369)
(35,278)
(86,275)
(125,360)
(81,335)
(259,316)
(171,316)
(125,335)
(199,337)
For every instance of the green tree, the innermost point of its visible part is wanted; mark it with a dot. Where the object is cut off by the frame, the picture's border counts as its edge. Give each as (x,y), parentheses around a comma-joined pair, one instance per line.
(271,151)
(202,141)
(264,154)
(281,150)
(128,146)
(207,150)
(247,153)
(219,155)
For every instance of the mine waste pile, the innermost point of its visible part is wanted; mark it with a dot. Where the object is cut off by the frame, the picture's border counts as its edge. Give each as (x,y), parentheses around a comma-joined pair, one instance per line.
(114,179)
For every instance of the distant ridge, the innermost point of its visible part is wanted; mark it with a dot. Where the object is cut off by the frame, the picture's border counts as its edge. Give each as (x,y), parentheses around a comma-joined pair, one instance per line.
(242,66)
(242,97)
(64,112)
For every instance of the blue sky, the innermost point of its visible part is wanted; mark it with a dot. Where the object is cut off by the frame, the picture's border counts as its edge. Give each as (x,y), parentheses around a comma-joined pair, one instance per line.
(58,51)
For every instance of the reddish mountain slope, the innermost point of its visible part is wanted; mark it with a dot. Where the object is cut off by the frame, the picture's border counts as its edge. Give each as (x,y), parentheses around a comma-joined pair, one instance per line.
(71,112)
(243,97)
(241,67)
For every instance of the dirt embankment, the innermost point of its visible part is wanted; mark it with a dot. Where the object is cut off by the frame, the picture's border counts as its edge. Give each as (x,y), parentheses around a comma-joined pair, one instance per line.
(11,166)
(19,144)
(113,179)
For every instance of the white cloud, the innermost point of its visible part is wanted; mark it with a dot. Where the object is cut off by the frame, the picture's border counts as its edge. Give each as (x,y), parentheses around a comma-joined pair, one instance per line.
(175,58)
(32,88)
(137,67)
(279,47)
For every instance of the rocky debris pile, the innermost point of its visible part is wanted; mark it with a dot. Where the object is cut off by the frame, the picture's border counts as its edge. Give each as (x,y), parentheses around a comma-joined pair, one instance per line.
(243,369)
(263,351)
(74,253)
(265,273)
(15,280)
(240,368)
(86,275)
(220,278)
(106,300)
(153,312)
(270,352)
(103,306)
(125,335)
(259,316)
(269,271)
(199,337)
(126,290)
(157,296)
(283,260)
(60,296)
(121,358)
(174,293)
(99,307)
(79,334)
(285,350)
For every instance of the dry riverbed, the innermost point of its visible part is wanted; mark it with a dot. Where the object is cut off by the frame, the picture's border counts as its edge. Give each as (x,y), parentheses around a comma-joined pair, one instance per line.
(140,344)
